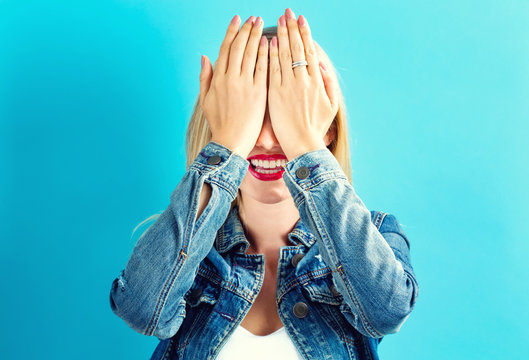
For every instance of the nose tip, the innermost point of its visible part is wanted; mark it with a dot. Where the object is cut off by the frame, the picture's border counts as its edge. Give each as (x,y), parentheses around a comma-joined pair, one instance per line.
(267,139)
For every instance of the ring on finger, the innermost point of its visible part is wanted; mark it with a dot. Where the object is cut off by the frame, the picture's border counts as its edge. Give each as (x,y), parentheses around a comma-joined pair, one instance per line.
(299,63)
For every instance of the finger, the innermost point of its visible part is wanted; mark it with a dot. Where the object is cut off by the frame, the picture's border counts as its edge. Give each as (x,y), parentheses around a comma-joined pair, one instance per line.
(205,77)
(330,85)
(285,59)
(250,54)
(262,63)
(308,44)
(238,47)
(275,67)
(296,44)
(233,29)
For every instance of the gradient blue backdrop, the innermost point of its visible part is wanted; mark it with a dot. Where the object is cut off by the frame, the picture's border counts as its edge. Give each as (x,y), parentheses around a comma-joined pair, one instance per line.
(94,101)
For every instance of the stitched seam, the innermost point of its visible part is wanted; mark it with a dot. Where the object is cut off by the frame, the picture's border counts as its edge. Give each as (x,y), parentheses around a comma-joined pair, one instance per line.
(163,296)
(340,269)
(297,282)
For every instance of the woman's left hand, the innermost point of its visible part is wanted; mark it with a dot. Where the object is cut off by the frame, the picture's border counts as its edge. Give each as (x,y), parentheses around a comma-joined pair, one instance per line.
(301,101)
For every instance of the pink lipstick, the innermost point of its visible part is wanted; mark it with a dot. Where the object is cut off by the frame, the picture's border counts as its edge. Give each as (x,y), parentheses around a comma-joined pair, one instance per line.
(257,166)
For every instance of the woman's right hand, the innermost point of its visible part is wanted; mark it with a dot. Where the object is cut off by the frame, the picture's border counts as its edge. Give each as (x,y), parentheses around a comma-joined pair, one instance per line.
(232,97)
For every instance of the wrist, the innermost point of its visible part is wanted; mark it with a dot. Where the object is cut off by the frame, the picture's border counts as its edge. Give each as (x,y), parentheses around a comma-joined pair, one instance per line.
(302,148)
(233,148)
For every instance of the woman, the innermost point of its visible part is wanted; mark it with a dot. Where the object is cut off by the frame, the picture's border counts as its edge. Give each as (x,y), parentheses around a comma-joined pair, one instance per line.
(265,246)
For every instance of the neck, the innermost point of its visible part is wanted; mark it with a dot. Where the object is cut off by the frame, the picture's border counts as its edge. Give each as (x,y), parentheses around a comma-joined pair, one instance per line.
(267,225)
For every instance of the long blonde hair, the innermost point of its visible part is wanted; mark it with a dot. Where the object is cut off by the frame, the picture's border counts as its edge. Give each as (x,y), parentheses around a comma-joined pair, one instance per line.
(199,134)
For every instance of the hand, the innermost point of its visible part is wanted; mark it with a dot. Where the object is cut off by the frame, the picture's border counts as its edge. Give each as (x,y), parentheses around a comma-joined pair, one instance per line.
(232,98)
(301,101)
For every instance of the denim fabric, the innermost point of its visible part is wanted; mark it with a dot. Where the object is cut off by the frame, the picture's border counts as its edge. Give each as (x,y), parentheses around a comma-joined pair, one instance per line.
(189,282)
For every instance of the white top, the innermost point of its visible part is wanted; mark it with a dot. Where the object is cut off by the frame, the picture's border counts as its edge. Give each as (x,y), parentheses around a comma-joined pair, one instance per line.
(244,345)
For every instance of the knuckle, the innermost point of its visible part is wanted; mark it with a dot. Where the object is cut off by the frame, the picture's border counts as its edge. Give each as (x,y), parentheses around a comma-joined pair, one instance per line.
(285,55)
(310,51)
(298,47)
(237,46)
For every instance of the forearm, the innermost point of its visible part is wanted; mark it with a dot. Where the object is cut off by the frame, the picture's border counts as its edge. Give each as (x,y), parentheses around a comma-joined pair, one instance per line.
(148,293)
(376,279)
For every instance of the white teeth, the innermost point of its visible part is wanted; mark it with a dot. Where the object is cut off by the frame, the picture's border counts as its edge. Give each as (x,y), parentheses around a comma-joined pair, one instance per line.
(268,166)
(267,171)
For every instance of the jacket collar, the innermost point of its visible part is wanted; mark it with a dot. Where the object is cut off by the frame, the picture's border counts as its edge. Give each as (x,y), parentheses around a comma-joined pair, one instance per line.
(231,234)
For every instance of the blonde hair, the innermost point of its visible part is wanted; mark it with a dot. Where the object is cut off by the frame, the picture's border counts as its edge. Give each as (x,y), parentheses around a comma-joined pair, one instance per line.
(199,134)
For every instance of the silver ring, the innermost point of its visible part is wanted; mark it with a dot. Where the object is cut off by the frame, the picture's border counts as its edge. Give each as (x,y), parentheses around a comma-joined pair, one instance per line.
(299,63)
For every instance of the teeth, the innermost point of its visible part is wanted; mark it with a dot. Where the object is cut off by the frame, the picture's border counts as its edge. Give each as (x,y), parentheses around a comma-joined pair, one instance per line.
(268,166)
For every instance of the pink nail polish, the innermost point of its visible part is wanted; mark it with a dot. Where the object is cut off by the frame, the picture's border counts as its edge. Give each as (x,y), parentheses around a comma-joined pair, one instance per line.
(257,21)
(235,20)
(250,19)
(282,21)
(290,14)
(274,41)
(301,20)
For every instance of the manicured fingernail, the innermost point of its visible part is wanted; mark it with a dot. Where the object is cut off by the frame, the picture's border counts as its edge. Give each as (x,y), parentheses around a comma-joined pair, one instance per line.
(290,14)
(263,40)
(323,66)
(235,20)
(257,21)
(202,61)
(250,19)
(282,21)
(274,41)
(301,20)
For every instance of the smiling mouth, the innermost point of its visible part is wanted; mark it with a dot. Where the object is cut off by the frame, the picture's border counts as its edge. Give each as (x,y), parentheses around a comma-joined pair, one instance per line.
(267,166)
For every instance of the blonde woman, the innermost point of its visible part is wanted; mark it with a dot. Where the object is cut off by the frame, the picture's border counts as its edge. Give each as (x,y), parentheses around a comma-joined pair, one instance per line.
(265,250)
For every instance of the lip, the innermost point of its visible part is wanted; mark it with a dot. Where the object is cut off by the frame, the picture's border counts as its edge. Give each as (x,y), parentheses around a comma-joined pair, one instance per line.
(266,177)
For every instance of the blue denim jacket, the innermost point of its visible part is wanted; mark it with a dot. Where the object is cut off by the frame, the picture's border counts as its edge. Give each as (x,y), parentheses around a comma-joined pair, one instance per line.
(344,281)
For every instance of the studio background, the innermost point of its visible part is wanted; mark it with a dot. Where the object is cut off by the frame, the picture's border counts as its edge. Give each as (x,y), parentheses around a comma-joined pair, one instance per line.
(95,97)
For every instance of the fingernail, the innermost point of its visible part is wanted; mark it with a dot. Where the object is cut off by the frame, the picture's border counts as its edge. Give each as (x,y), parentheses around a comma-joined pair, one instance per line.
(235,20)
(202,62)
(250,19)
(290,14)
(274,41)
(282,21)
(257,21)
(263,40)
(301,20)
(323,67)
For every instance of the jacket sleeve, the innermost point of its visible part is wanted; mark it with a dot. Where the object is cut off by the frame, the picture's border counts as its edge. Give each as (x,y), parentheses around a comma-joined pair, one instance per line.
(370,268)
(148,293)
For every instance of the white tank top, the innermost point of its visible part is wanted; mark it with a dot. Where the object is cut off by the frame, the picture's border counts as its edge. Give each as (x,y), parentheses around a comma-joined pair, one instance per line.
(242,344)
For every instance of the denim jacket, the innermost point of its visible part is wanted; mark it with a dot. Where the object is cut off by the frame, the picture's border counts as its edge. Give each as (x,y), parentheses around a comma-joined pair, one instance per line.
(344,281)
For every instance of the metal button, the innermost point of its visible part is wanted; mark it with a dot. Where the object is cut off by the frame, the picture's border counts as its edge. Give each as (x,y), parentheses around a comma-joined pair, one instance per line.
(295,259)
(195,294)
(302,172)
(214,160)
(300,310)
(334,290)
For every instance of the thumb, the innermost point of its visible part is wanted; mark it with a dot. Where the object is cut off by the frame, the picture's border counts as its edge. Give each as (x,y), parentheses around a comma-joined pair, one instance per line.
(328,81)
(205,77)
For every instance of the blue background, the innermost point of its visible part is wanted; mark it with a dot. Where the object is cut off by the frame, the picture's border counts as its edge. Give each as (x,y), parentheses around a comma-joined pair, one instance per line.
(95,97)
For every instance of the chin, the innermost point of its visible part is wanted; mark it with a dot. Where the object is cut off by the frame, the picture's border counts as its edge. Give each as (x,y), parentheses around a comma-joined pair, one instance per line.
(266,192)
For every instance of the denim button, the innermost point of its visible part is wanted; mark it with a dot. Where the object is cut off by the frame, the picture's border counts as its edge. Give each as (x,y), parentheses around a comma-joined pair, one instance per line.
(214,160)
(295,259)
(195,294)
(334,290)
(302,172)
(300,310)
